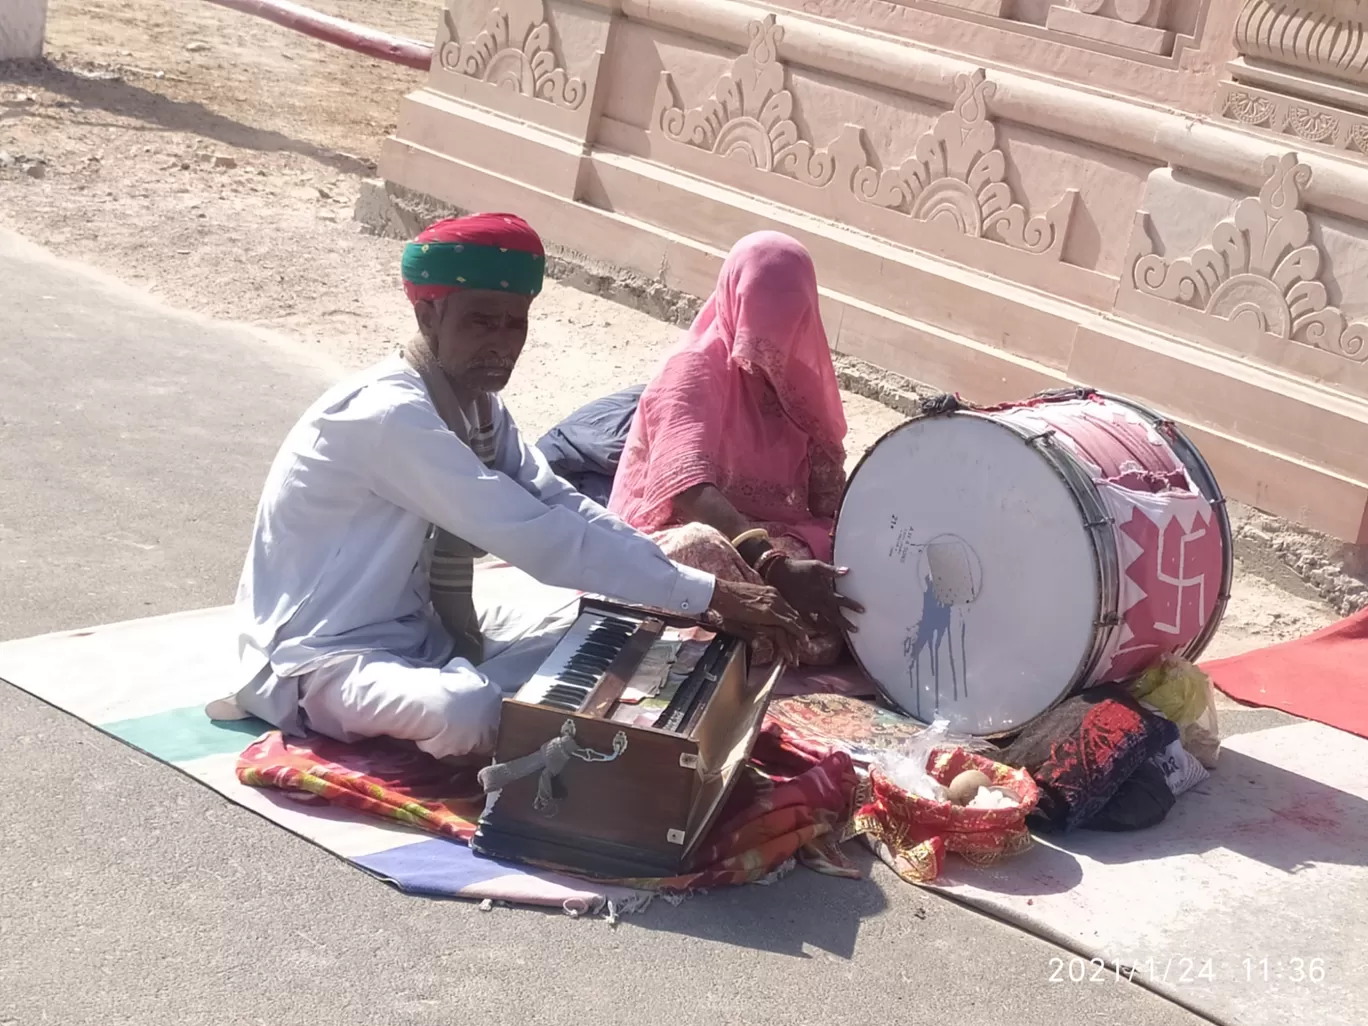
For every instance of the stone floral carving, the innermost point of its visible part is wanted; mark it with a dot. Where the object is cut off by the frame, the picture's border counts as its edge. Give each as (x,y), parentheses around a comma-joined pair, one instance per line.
(1256,111)
(1261,269)
(1358,138)
(1311,125)
(750,114)
(957,177)
(523,62)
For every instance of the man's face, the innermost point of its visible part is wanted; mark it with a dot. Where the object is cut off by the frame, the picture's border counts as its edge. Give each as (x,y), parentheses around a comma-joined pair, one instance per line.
(477,335)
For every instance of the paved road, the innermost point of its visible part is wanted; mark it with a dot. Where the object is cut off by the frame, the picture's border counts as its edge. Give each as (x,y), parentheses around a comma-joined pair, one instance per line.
(132,443)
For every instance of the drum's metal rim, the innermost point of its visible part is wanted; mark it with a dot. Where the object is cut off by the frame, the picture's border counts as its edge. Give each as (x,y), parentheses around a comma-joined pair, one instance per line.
(1094,651)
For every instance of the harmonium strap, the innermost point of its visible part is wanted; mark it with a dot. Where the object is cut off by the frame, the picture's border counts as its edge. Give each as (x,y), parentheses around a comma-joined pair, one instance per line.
(616,757)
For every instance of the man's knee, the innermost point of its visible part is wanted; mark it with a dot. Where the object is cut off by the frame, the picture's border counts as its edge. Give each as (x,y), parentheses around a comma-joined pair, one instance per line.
(458,716)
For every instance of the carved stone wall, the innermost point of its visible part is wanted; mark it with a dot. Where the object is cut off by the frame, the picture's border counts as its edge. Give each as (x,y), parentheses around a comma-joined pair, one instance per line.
(955,181)
(517,57)
(513,64)
(957,178)
(749,117)
(1258,284)
(1302,72)
(1322,36)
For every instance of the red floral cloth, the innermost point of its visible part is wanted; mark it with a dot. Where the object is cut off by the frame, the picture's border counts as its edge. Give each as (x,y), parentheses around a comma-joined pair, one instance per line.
(798,808)
(914,834)
(379,777)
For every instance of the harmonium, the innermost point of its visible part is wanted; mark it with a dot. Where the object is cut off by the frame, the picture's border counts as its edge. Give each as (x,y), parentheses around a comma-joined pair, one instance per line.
(615,759)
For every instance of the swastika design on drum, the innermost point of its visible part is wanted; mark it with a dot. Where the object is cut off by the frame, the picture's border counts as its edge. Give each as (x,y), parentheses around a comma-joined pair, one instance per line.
(1170,583)
(1008,556)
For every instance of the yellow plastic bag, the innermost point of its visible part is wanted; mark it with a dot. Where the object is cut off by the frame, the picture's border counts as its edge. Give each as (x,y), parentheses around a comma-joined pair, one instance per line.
(1179,691)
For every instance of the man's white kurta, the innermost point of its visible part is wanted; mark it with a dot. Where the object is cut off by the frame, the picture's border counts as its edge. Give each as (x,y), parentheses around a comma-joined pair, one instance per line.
(339,555)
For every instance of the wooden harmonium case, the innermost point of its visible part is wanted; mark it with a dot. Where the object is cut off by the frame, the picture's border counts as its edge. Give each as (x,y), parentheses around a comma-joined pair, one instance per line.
(662,715)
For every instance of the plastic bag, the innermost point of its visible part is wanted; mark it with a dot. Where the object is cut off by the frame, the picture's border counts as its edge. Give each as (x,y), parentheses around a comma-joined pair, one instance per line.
(1181,692)
(905,766)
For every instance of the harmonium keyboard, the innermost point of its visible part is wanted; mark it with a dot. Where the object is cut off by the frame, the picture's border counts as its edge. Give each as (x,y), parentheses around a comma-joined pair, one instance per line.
(661,714)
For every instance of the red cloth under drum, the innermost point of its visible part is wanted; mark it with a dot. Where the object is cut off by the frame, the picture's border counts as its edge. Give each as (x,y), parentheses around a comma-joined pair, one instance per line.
(1322,677)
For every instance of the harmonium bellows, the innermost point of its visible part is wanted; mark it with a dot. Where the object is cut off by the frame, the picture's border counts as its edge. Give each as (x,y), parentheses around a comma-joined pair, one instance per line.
(615,759)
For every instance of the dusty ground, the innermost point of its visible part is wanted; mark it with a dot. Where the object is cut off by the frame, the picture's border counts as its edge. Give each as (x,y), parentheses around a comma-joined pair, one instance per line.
(214,159)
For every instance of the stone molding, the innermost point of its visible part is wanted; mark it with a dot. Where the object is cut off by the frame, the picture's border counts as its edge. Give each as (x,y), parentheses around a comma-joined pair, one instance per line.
(1133,12)
(1261,270)
(1134,24)
(1066,26)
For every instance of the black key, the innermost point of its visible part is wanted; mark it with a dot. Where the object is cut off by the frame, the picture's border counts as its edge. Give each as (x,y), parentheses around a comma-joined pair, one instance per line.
(592,658)
(593,655)
(576,675)
(588,665)
(582,677)
(605,638)
(563,694)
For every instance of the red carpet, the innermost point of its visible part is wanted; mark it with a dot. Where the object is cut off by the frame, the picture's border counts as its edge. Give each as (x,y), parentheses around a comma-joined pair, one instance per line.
(1321,677)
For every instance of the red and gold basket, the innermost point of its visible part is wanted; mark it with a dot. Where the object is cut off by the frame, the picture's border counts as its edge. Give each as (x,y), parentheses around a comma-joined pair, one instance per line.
(913,834)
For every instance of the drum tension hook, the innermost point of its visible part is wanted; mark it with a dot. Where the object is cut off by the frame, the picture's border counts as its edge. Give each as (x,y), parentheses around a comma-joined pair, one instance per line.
(1043,436)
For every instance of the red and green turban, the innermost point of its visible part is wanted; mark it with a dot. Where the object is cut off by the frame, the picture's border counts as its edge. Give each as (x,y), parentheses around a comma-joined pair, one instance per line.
(495,252)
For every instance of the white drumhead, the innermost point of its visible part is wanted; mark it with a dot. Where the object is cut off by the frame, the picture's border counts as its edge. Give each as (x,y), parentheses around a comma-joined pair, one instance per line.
(978,578)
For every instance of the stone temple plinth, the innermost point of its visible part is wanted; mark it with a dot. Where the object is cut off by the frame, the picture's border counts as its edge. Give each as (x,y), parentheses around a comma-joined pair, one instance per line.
(1167,199)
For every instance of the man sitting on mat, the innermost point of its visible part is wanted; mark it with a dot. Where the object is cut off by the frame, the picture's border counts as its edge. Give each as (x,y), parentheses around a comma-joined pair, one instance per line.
(356,596)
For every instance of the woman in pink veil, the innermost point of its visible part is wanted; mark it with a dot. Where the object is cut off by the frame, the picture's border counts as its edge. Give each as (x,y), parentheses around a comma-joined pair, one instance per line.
(735,461)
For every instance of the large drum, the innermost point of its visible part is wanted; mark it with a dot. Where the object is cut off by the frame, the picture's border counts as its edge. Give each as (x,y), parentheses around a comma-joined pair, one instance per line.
(1009,556)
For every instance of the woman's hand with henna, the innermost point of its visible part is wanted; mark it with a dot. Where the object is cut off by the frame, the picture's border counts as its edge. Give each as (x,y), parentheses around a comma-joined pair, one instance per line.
(810,588)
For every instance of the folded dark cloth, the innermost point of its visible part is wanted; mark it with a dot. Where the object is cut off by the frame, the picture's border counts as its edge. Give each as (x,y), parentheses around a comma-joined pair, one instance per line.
(1083,751)
(586,447)
(1142,801)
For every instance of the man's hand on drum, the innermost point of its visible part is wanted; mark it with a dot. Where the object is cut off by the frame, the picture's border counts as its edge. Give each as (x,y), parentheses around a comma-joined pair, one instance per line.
(810,587)
(759,610)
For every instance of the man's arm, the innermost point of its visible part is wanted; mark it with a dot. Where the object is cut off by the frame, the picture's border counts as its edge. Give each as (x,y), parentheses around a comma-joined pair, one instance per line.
(527,465)
(419,465)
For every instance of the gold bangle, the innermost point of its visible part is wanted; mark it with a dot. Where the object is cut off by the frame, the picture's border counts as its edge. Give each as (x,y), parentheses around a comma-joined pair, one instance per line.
(752,535)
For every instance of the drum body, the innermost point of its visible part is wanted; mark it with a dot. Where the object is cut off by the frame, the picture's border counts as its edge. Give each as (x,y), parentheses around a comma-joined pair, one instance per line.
(1009,556)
